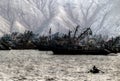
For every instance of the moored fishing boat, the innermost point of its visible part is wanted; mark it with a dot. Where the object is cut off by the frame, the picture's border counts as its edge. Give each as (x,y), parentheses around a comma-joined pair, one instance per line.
(80,52)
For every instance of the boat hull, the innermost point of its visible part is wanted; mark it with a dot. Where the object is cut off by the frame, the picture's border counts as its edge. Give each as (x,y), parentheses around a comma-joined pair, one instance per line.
(80,52)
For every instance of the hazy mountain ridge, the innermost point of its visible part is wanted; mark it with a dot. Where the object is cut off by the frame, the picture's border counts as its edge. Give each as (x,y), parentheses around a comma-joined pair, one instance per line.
(41,15)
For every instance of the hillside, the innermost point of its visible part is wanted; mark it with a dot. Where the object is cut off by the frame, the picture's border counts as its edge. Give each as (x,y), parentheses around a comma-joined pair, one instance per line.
(60,15)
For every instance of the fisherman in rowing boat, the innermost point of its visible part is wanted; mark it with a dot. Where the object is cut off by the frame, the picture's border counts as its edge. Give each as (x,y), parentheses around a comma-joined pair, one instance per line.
(95,70)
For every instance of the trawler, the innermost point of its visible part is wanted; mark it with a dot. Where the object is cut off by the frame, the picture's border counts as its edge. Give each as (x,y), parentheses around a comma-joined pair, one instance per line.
(70,44)
(81,52)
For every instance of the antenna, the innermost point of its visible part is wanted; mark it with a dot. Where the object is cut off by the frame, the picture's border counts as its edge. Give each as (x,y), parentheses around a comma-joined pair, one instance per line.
(76,30)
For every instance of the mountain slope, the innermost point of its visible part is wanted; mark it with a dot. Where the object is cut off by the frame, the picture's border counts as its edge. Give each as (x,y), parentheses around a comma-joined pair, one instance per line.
(60,15)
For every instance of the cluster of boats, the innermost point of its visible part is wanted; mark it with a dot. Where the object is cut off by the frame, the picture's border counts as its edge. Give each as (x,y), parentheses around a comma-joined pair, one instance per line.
(73,43)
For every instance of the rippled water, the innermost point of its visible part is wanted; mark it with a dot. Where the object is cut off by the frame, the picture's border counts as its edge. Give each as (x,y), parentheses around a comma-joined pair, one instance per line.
(33,65)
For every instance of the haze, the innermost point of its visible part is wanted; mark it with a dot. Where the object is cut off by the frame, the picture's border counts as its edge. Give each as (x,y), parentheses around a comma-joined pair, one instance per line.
(102,16)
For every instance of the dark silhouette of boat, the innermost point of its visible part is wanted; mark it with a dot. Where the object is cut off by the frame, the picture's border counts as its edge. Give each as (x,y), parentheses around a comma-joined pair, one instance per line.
(80,52)
(70,44)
